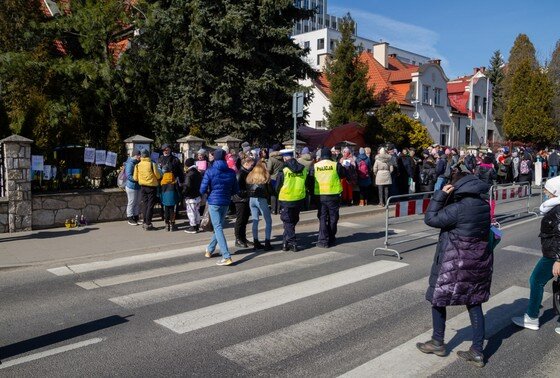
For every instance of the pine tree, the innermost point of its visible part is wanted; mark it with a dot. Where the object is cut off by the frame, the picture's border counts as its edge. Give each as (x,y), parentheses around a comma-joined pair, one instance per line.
(496,75)
(553,71)
(528,114)
(351,98)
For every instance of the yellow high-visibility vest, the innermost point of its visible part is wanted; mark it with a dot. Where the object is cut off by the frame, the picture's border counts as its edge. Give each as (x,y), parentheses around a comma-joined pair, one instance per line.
(293,188)
(327,181)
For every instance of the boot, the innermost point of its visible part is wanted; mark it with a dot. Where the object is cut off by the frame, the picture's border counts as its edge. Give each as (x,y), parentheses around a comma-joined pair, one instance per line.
(257,245)
(294,248)
(472,356)
(240,244)
(167,225)
(249,244)
(285,247)
(173,227)
(267,246)
(432,347)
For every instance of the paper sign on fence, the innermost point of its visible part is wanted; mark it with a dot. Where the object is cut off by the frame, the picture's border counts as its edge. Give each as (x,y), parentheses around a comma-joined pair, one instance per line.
(89,155)
(47,172)
(37,162)
(100,157)
(111,159)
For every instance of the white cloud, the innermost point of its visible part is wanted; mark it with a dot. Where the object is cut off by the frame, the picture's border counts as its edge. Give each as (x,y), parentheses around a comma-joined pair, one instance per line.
(400,34)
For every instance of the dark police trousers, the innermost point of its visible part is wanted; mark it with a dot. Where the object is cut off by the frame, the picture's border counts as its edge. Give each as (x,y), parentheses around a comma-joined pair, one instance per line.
(328,214)
(290,217)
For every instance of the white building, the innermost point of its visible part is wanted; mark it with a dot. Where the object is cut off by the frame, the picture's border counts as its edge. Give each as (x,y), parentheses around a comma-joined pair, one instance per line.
(471,102)
(320,20)
(322,43)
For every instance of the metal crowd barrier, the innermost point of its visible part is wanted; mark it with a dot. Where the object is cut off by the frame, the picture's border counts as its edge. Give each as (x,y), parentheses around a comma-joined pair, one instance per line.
(401,211)
(511,199)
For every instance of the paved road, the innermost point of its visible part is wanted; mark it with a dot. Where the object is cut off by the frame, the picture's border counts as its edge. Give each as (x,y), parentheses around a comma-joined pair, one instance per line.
(317,312)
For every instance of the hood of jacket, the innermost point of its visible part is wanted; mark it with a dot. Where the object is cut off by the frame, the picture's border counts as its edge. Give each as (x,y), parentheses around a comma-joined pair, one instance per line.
(294,166)
(384,158)
(549,204)
(470,185)
(221,165)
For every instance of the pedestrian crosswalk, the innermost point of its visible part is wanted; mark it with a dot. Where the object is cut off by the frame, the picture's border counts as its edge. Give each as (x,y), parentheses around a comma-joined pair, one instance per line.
(149,287)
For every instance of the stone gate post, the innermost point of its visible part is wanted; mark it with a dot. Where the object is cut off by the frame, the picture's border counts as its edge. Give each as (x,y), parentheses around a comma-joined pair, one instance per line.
(17,163)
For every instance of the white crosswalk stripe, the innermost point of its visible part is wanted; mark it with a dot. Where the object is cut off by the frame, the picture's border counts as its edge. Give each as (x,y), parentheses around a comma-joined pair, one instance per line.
(527,251)
(207,316)
(200,286)
(154,273)
(129,260)
(406,361)
(278,345)
(351,225)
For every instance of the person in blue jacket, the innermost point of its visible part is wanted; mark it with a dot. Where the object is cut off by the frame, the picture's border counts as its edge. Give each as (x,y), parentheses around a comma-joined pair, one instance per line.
(219,183)
(132,189)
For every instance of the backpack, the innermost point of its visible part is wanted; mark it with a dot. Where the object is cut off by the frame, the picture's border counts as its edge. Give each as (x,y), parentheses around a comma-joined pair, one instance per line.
(427,176)
(524,167)
(121,178)
(363,170)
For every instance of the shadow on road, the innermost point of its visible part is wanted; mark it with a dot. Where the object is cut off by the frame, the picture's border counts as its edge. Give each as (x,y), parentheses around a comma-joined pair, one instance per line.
(49,234)
(59,336)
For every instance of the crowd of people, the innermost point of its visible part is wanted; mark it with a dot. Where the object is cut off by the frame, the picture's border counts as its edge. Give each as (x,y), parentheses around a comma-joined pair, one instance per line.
(255,183)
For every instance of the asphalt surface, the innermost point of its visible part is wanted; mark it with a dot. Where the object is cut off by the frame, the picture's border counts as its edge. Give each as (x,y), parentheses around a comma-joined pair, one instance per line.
(318,312)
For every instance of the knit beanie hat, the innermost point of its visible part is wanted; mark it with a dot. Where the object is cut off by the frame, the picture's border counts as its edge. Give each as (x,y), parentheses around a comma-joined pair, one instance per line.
(326,153)
(553,186)
(305,150)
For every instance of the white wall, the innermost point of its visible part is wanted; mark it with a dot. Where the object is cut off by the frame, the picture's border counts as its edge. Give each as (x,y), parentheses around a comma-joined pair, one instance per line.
(317,107)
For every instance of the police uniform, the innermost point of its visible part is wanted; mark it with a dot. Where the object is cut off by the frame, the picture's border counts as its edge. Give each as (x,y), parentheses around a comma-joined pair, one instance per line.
(327,189)
(291,188)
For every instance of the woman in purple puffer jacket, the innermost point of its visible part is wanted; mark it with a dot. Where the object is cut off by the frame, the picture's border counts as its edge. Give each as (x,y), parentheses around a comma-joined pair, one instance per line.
(462,268)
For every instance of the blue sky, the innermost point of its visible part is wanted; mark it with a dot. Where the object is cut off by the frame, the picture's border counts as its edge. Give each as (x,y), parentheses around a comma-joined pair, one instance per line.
(463,34)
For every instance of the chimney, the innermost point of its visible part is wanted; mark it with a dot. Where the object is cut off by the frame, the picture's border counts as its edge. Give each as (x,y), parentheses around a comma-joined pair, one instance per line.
(436,61)
(380,52)
(475,70)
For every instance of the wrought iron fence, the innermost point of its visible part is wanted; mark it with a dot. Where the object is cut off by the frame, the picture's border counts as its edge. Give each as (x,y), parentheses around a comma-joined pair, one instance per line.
(2,173)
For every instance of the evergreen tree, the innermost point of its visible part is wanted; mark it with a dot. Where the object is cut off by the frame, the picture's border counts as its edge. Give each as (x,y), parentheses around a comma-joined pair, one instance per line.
(222,67)
(496,75)
(553,71)
(528,114)
(350,98)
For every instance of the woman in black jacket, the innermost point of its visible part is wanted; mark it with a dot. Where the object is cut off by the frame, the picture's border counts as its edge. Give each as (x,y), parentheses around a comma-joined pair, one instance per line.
(549,265)
(241,201)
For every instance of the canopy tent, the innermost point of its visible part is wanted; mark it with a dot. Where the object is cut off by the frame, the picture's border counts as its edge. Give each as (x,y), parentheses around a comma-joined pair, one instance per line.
(343,135)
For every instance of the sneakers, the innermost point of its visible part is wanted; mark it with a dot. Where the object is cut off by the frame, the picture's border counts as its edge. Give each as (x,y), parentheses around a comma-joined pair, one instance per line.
(148,227)
(191,230)
(322,245)
(432,347)
(472,356)
(207,254)
(285,247)
(526,321)
(224,262)
(294,248)
(241,244)
(132,221)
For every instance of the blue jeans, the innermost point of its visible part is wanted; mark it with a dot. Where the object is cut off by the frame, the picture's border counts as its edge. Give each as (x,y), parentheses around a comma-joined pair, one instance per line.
(260,206)
(218,217)
(552,171)
(542,273)
(441,181)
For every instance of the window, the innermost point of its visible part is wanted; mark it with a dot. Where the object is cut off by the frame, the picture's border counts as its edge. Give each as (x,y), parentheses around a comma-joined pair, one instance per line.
(320,43)
(333,43)
(437,96)
(318,60)
(468,132)
(476,102)
(444,135)
(306,44)
(318,124)
(306,28)
(490,136)
(484,105)
(426,94)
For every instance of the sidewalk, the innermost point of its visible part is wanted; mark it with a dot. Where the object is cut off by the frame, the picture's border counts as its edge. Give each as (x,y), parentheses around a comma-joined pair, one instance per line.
(104,239)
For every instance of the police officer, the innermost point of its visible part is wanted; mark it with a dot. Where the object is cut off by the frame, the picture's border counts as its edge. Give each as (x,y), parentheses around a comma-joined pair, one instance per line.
(290,186)
(327,188)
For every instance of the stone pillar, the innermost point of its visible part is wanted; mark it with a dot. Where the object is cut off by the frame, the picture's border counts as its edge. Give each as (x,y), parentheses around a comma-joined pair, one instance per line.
(17,164)
(189,146)
(137,142)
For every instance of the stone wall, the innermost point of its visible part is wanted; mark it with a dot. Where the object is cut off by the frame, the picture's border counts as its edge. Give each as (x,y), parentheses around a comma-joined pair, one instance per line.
(51,210)
(4,225)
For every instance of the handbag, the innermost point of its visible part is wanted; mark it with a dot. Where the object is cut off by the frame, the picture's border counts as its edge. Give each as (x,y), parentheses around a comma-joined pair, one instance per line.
(205,221)
(556,295)
(494,237)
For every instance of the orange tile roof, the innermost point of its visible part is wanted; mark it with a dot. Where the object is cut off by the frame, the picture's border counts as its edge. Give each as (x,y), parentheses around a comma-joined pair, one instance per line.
(390,84)
(458,95)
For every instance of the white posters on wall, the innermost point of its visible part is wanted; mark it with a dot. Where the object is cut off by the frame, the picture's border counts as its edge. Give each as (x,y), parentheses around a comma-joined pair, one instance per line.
(47,172)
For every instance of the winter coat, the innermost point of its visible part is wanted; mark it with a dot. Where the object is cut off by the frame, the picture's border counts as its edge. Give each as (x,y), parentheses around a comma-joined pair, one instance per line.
(258,191)
(382,169)
(191,187)
(274,164)
(220,182)
(428,176)
(550,232)
(462,268)
(306,160)
(170,163)
(147,173)
(169,194)
(129,170)
(486,173)
(441,166)
(553,159)
(242,195)
(366,181)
